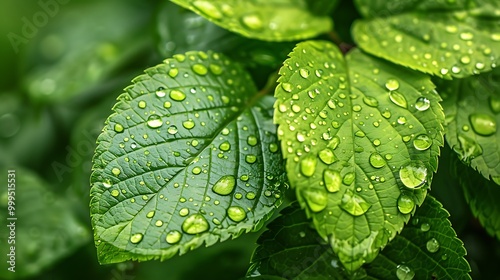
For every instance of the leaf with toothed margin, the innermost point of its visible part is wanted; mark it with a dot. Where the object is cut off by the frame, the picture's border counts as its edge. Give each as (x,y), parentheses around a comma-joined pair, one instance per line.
(361,137)
(267,20)
(444,38)
(427,248)
(190,156)
(472,108)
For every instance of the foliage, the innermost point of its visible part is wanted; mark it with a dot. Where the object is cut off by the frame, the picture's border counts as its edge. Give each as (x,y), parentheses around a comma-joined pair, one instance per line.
(368,122)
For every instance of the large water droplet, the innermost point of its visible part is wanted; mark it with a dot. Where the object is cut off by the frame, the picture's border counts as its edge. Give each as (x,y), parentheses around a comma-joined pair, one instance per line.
(425,227)
(494,104)
(376,160)
(119,128)
(316,199)
(195,224)
(354,204)
(208,9)
(154,121)
(398,99)
(413,175)
(136,238)
(188,124)
(173,236)
(403,272)
(225,185)
(172,129)
(392,84)
(432,245)
(483,124)
(348,178)
(327,156)
(225,146)
(236,213)
(250,158)
(308,165)
(405,204)
(177,95)
(370,101)
(160,92)
(252,21)
(304,73)
(200,69)
(422,104)
(252,140)
(422,142)
(287,87)
(332,180)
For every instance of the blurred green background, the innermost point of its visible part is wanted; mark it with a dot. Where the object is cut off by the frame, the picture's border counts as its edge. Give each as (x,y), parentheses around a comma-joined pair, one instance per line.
(63,64)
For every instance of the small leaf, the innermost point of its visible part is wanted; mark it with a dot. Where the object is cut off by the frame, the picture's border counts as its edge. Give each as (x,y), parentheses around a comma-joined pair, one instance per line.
(268,20)
(482,196)
(45,231)
(360,149)
(446,39)
(472,108)
(427,248)
(187,158)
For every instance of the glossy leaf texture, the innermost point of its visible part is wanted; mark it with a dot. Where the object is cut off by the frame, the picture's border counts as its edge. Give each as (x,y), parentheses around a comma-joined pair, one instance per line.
(189,157)
(427,248)
(182,30)
(472,108)
(361,138)
(268,20)
(72,46)
(482,196)
(446,39)
(45,229)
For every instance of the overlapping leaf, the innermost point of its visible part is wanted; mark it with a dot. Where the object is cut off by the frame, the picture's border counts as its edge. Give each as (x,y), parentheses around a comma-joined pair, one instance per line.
(472,108)
(361,143)
(447,39)
(427,248)
(268,20)
(188,158)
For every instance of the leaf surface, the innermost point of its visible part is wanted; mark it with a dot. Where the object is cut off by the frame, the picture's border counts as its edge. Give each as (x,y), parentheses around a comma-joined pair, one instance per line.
(292,249)
(268,20)
(187,158)
(472,108)
(361,138)
(446,39)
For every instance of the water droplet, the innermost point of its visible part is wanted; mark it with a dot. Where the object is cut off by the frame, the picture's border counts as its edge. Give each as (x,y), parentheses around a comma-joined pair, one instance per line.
(195,224)
(422,142)
(376,160)
(136,238)
(327,156)
(154,121)
(172,129)
(188,124)
(116,171)
(494,104)
(466,36)
(250,158)
(119,128)
(252,140)
(173,72)
(160,92)
(184,212)
(273,147)
(287,87)
(348,178)
(398,99)
(177,95)
(115,193)
(308,165)
(173,236)
(142,104)
(432,245)
(250,195)
(403,272)
(236,213)
(422,104)
(304,73)
(316,199)
(483,124)
(225,185)
(413,175)
(370,101)
(377,142)
(332,180)
(465,59)
(354,204)
(196,170)
(425,227)
(468,148)
(200,69)
(150,214)
(208,9)
(392,84)
(252,21)
(216,69)
(405,204)
(225,146)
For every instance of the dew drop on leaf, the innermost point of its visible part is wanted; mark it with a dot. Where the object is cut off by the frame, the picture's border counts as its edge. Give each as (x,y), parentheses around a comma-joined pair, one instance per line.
(250,158)
(200,69)
(252,140)
(348,178)
(332,180)
(195,224)
(422,104)
(425,227)
(483,124)
(494,104)
(422,142)
(184,212)
(118,128)
(252,21)
(188,124)
(172,130)
(413,175)
(173,236)
(115,193)
(207,8)
(308,165)
(142,104)
(376,160)
(173,72)
(403,272)
(116,171)
(354,204)
(405,204)
(392,84)
(398,99)
(177,95)
(327,156)
(150,214)
(286,87)
(432,245)
(236,213)
(370,101)
(160,92)
(316,199)
(225,146)
(136,238)
(304,73)
(154,121)
(225,185)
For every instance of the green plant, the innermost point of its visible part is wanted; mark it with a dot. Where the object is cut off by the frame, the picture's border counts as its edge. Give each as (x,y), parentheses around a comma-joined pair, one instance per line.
(338,111)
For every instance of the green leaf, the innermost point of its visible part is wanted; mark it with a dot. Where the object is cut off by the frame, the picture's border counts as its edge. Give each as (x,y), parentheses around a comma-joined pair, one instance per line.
(46,230)
(322,7)
(482,196)
(268,20)
(291,249)
(189,157)
(72,46)
(359,144)
(446,39)
(181,30)
(472,108)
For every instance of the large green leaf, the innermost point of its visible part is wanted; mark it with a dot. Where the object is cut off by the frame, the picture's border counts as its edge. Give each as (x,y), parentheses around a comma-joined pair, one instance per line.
(181,30)
(427,248)
(45,231)
(189,157)
(472,108)
(268,20)
(447,39)
(361,144)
